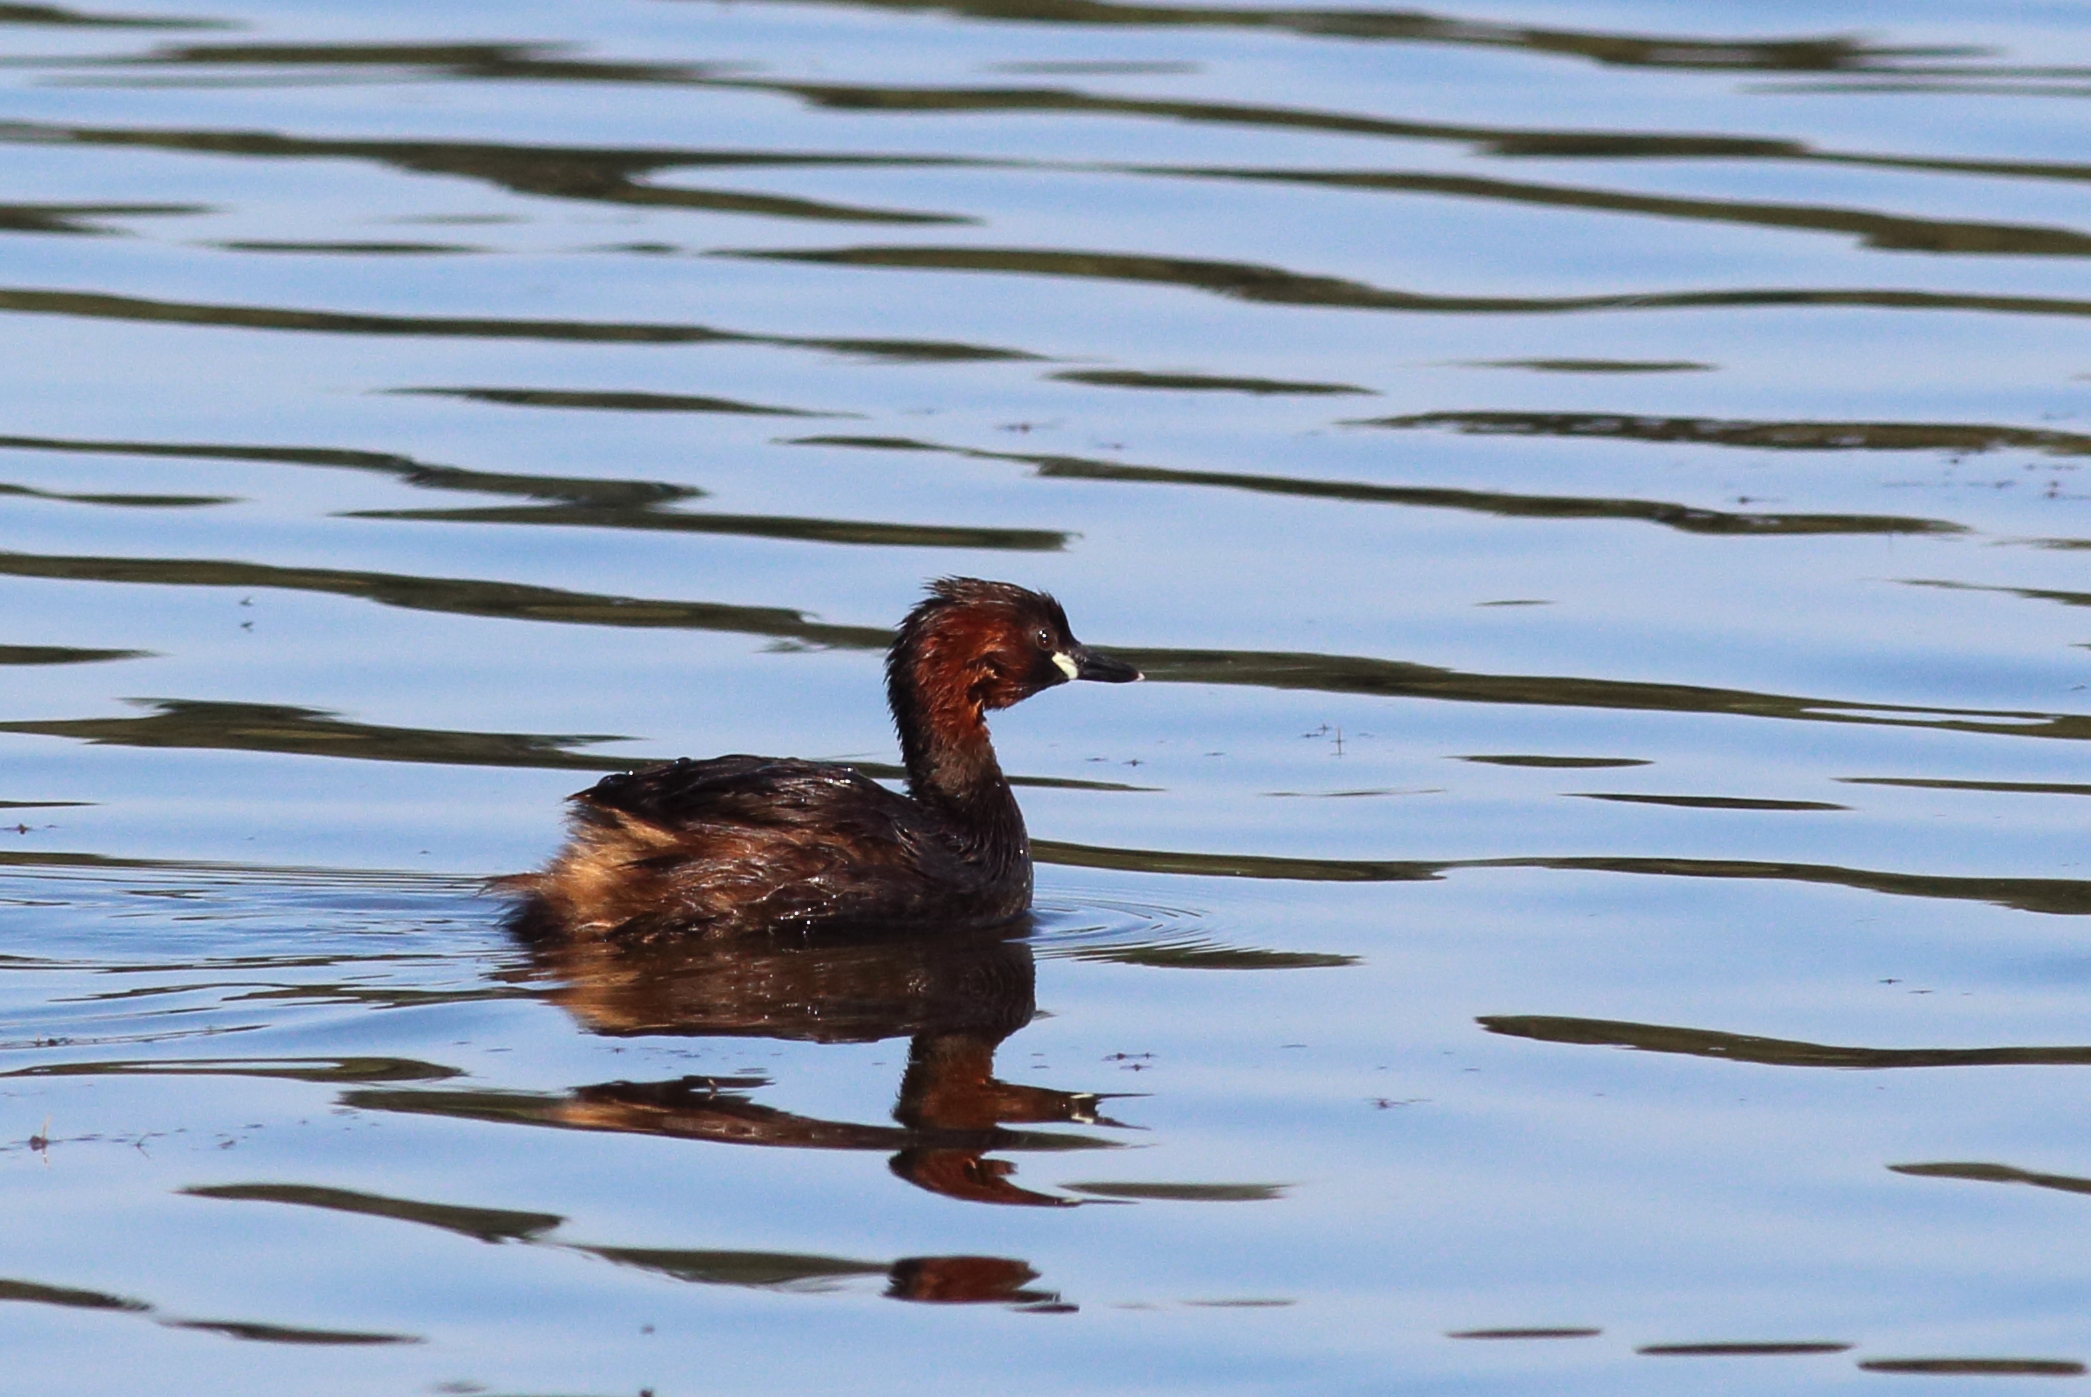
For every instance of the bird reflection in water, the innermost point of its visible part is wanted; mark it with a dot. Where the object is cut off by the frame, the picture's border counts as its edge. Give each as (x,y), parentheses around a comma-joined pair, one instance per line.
(956,993)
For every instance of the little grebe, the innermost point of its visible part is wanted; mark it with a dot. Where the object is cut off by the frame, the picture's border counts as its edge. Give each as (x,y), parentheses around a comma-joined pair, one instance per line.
(743,844)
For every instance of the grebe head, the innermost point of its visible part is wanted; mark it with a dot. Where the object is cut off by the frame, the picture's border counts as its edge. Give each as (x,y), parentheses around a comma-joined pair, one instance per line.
(970,647)
(986,645)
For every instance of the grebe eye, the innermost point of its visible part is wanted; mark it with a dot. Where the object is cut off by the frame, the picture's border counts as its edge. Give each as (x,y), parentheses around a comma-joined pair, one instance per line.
(1044,638)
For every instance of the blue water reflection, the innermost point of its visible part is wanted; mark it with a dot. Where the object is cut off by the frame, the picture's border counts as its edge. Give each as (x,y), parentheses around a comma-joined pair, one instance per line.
(1588,898)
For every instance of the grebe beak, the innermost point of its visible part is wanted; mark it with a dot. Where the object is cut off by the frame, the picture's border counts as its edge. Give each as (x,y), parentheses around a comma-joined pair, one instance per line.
(1080,662)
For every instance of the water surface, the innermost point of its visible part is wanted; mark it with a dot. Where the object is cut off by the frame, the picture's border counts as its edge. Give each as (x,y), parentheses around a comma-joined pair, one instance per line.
(1588,899)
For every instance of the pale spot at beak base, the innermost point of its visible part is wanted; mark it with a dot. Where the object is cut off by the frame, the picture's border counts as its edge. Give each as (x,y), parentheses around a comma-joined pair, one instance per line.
(1066,664)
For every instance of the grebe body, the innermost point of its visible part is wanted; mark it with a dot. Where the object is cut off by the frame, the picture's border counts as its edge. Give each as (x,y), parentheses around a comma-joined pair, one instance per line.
(741,844)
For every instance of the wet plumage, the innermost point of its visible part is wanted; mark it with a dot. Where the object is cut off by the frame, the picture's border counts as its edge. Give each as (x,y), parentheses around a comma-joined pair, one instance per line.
(740,844)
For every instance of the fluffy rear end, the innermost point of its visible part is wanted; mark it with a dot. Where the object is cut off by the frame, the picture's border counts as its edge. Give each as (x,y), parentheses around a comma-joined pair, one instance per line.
(606,877)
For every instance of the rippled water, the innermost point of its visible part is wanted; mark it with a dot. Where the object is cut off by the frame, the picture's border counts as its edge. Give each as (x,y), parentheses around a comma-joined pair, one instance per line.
(1589,901)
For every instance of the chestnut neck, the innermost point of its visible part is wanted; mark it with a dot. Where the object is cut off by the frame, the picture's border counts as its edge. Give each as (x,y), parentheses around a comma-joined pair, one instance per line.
(944,744)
